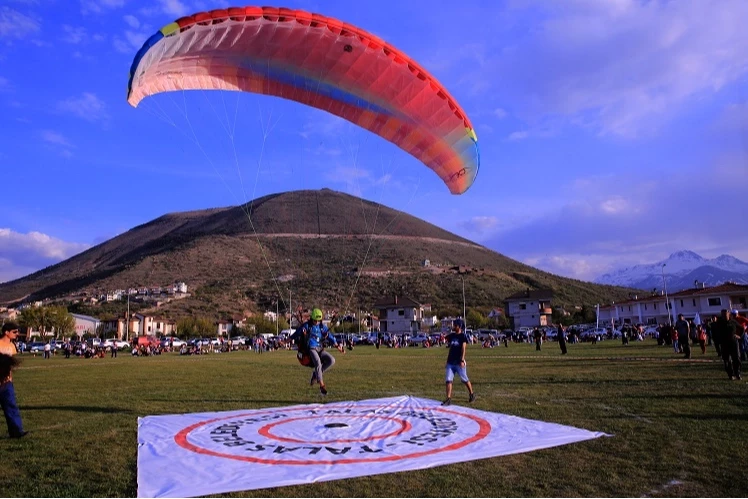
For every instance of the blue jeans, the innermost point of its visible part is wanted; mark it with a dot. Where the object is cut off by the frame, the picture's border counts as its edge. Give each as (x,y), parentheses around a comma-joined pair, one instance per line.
(10,409)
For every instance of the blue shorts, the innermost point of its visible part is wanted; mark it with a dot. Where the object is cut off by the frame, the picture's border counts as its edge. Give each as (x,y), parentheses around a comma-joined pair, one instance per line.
(460,370)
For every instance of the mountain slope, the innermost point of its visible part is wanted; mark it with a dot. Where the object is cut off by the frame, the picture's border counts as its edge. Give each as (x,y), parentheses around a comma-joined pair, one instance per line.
(322,246)
(682,269)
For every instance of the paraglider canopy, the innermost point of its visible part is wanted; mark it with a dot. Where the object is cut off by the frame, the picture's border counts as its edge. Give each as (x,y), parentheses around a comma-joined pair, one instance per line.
(318,61)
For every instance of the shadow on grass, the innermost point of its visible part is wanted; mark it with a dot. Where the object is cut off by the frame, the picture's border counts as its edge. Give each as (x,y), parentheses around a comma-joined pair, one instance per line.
(75,408)
(227,401)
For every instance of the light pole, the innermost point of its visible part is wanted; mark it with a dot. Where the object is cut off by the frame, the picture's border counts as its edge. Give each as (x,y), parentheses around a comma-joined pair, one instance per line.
(127,319)
(667,301)
(464,313)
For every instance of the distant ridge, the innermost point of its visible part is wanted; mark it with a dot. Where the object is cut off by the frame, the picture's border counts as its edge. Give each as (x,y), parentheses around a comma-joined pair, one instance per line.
(683,270)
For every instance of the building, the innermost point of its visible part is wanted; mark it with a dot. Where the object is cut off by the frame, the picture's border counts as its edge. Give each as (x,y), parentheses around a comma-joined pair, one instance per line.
(223,328)
(148,325)
(399,315)
(121,328)
(85,324)
(530,308)
(653,309)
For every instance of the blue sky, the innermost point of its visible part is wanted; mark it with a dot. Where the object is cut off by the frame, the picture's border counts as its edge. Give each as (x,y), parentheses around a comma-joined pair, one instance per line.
(611,132)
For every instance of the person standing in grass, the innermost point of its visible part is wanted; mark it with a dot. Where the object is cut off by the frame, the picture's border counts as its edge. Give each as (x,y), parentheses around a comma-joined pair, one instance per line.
(728,334)
(457,342)
(561,339)
(7,392)
(684,335)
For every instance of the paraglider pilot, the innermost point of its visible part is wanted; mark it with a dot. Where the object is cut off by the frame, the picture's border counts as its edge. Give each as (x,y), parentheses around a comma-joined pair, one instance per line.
(310,338)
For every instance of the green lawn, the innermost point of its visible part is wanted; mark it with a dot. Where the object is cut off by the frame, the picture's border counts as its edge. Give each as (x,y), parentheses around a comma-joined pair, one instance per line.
(680,428)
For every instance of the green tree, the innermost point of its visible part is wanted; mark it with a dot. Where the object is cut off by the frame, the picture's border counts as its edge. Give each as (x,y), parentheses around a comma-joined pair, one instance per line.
(475,319)
(586,315)
(194,327)
(448,312)
(499,322)
(262,325)
(62,321)
(38,318)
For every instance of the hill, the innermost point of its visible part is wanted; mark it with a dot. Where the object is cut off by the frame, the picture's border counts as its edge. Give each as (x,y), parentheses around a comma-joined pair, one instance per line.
(324,247)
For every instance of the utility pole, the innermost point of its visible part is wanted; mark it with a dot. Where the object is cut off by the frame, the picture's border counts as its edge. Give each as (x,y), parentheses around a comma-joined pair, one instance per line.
(127,319)
(667,301)
(464,313)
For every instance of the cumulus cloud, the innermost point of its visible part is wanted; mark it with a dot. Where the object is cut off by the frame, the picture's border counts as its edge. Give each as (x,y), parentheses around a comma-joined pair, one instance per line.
(612,221)
(480,224)
(87,106)
(175,8)
(21,254)
(56,138)
(132,21)
(137,32)
(576,265)
(100,6)
(517,136)
(622,69)
(59,142)
(627,66)
(74,34)
(733,117)
(15,25)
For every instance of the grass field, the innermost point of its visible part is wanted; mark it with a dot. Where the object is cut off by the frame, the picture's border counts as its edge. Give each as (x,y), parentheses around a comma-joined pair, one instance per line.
(680,428)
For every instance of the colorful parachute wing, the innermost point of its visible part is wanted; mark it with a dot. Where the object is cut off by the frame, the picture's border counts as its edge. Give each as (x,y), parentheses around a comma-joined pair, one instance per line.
(318,61)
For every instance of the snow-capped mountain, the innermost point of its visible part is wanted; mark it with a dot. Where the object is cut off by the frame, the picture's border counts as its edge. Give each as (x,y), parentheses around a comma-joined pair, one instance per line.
(682,270)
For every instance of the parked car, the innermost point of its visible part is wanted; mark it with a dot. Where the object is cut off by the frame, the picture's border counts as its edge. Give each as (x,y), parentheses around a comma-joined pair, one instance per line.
(36,346)
(417,339)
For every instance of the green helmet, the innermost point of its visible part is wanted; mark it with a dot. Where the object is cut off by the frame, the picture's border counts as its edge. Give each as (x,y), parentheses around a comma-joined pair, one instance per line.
(317,314)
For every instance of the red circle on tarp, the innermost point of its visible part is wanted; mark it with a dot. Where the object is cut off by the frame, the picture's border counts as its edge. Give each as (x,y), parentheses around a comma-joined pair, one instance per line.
(484,428)
(404,426)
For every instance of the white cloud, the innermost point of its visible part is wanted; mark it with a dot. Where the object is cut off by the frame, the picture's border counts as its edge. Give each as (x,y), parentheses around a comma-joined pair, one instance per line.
(734,118)
(4,84)
(615,204)
(56,138)
(500,113)
(88,106)
(576,265)
(627,67)
(133,38)
(514,136)
(21,254)
(622,69)
(59,142)
(14,24)
(132,21)
(175,8)
(616,220)
(480,224)
(74,34)
(99,6)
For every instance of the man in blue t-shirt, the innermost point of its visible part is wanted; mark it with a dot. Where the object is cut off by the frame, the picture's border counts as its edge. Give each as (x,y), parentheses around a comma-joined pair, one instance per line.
(457,342)
(310,339)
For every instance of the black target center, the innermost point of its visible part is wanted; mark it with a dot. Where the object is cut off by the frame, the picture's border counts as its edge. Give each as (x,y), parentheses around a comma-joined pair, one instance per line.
(336,425)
